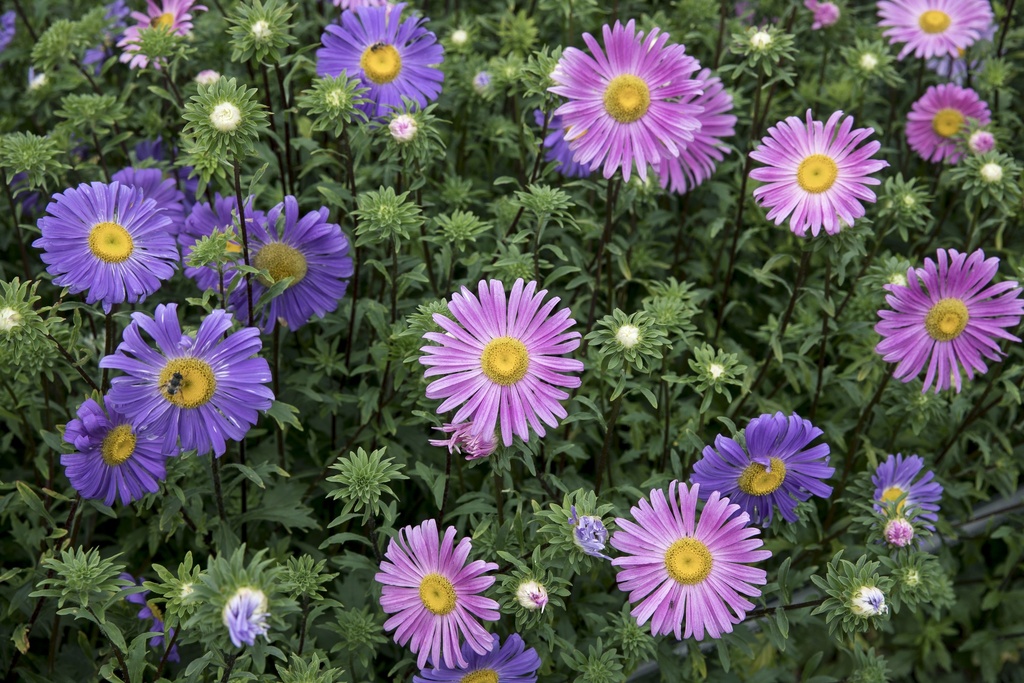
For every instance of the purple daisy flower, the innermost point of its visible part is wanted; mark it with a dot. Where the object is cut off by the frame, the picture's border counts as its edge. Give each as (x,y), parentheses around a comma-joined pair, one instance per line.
(816,173)
(393,58)
(171,15)
(696,162)
(359,4)
(109,240)
(895,478)
(627,103)
(154,149)
(954,321)
(776,469)
(435,596)
(956,68)
(117,19)
(204,389)
(311,250)
(934,28)
(8,29)
(151,611)
(463,439)
(245,616)
(680,567)
(220,214)
(511,662)
(111,459)
(165,193)
(935,121)
(557,148)
(500,360)
(825,13)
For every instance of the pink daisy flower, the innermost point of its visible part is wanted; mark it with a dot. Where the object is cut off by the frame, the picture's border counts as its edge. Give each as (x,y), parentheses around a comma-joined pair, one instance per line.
(678,566)
(173,15)
(954,321)
(934,28)
(435,595)
(825,13)
(816,172)
(939,116)
(696,162)
(501,360)
(630,105)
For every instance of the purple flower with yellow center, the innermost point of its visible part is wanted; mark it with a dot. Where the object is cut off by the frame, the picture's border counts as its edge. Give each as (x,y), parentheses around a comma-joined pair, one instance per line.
(934,28)
(112,459)
(174,16)
(508,662)
(165,193)
(696,162)
(557,148)
(434,595)
(393,58)
(937,119)
(463,439)
(896,481)
(220,214)
(500,359)
(954,321)
(245,615)
(108,240)
(311,250)
(589,534)
(679,567)
(627,104)
(151,611)
(204,389)
(8,29)
(778,468)
(817,173)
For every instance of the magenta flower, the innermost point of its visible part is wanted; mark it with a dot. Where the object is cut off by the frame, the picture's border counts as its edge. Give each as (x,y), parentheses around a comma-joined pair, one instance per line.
(953,321)
(500,359)
(434,595)
(896,481)
(557,149)
(171,15)
(627,103)
(462,439)
(825,13)
(816,172)
(935,121)
(934,28)
(680,567)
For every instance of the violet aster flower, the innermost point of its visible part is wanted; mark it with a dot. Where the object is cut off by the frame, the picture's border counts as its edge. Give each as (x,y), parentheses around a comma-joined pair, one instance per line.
(500,359)
(589,534)
(151,611)
(463,439)
(116,16)
(359,4)
(898,532)
(680,567)
(309,249)
(112,460)
(895,479)
(219,214)
(955,320)
(205,389)
(245,616)
(165,193)
(8,28)
(696,162)
(557,149)
(956,68)
(108,240)
(825,13)
(777,468)
(434,595)
(154,149)
(627,103)
(816,172)
(171,15)
(935,121)
(393,58)
(934,28)
(511,662)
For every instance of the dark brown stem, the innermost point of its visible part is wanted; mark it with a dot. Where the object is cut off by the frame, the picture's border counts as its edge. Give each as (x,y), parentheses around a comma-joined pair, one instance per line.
(611,198)
(167,652)
(24,19)
(99,152)
(108,346)
(23,251)
(245,234)
(824,343)
(447,486)
(230,665)
(71,361)
(218,491)
(302,624)
(609,434)
(758,613)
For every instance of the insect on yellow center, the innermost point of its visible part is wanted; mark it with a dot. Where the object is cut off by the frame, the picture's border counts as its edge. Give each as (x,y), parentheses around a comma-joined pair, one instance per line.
(437,594)
(817,173)
(946,319)
(480,676)
(281,261)
(110,242)
(165,20)
(627,98)
(187,382)
(688,561)
(381,63)
(505,360)
(757,480)
(891,495)
(934,21)
(118,445)
(947,122)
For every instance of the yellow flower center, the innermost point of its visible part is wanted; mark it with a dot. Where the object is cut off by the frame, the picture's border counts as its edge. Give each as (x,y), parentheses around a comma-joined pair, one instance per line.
(437,594)
(946,319)
(817,173)
(505,360)
(187,382)
(934,21)
(480,676)
(118,445)
(155,609)
(626,98)
(893,494)
(947,122)
(688,561)
(281,261)
(165,20)
(110,242)
(381,63)
(756,480)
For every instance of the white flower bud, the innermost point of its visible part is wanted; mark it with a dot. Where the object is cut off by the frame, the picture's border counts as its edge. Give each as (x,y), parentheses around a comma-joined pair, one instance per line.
(716,370)
(628,336)
(868,61)
(532,595)
(9,319)
(226,117)
(459,37)
(261,31)
(869,601)
(760,40)
(991,172)
(403,128)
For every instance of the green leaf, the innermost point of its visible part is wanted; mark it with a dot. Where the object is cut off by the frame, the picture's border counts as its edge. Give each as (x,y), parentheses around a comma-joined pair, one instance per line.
(285,414)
